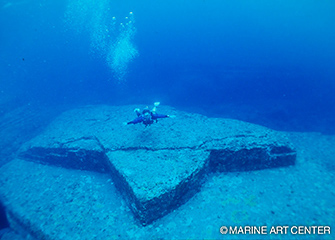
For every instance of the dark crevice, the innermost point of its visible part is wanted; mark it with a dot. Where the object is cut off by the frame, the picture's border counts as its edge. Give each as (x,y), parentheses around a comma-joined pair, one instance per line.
(3,217)
(198,147)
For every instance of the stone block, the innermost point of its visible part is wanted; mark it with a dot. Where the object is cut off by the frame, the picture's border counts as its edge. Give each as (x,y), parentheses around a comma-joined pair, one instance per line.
(157,182)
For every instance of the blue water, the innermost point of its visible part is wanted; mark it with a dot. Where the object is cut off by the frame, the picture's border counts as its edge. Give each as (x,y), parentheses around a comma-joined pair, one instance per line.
(274,58)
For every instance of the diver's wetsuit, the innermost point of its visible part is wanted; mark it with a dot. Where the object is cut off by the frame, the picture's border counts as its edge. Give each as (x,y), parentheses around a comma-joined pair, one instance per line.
(147,121)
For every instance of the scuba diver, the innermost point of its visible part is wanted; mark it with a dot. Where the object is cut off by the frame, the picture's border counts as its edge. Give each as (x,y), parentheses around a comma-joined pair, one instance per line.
(147,117)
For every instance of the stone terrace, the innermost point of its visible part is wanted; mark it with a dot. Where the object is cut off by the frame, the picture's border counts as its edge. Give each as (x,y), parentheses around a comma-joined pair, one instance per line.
(155,168)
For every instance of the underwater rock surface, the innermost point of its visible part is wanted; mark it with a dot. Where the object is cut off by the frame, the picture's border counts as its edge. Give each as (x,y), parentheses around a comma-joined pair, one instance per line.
(160,167)
(156,169)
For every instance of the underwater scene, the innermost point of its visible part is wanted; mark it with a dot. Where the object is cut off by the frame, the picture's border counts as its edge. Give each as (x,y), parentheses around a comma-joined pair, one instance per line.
(180,119)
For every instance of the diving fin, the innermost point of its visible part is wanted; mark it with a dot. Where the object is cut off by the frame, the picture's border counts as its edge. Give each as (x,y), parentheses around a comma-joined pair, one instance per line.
(156,104)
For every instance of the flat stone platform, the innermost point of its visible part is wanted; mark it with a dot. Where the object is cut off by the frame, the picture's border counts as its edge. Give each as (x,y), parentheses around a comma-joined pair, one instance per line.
(157,168)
